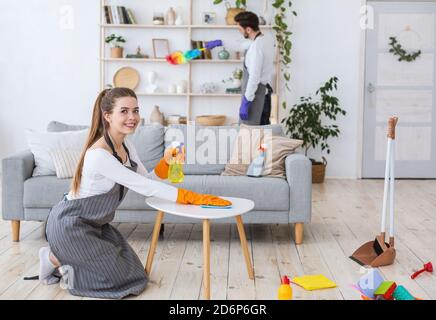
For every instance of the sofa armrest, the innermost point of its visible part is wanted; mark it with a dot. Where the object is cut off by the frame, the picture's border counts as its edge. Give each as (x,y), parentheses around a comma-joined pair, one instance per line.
(299,176)
(15,170)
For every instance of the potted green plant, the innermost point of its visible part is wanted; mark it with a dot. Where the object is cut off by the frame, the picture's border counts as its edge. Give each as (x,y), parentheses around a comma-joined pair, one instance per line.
(235,80)
(116,49)
(237,73)
(240,6)
(305,122)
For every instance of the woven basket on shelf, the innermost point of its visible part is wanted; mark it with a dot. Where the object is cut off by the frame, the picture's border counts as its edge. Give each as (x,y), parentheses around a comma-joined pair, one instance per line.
(231,14)
(318,171)
(211,120)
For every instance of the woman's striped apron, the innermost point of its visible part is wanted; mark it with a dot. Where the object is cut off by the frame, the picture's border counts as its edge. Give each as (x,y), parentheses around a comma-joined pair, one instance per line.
(99,261)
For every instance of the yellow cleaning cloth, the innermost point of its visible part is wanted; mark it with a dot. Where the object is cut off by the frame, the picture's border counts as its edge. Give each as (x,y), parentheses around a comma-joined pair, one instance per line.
(314,282)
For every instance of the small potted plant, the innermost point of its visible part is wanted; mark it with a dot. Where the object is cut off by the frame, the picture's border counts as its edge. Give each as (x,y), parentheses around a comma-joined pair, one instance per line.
(235,79)
(305,119)
(240,6)
(116,49)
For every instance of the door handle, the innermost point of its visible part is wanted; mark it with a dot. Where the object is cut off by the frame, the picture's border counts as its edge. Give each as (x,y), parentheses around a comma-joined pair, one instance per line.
(371,88)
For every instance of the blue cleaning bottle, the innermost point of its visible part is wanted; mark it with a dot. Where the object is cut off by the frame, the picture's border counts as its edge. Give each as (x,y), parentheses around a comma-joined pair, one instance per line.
(256,167)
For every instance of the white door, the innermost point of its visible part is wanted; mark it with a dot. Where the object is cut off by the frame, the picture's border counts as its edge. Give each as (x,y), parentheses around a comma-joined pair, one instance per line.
(400,88)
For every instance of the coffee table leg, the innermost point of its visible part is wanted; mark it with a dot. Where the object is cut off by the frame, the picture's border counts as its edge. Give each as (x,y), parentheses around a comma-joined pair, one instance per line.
(244,246)
(206,259)
(154,239)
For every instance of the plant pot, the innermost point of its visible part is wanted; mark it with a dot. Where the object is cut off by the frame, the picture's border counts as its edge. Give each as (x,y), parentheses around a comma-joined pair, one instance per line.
(116,52)
(318,170)
(231,14)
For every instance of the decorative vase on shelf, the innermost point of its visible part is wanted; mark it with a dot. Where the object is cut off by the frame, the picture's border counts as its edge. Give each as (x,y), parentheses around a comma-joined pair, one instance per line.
(156,116)
(179,17)
(223,54)
(181,87)
(151,87)
(171,16)
(172,88)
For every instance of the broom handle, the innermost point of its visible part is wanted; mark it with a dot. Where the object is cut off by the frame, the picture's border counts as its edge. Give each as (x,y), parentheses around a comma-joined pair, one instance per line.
(392,122)
(391,133)
(386,189)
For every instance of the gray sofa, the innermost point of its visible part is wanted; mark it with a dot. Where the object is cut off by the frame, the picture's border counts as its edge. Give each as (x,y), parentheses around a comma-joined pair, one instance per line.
(277,200)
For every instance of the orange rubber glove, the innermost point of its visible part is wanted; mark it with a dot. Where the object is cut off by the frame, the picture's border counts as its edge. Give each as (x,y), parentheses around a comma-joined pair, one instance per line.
(161,169)
(189,197)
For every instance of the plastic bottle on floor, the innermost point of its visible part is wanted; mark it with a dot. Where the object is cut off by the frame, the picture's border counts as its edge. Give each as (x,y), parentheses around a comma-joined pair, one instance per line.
(285,290)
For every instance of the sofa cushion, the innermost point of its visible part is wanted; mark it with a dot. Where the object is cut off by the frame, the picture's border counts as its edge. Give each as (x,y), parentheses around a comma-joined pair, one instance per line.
(213,145)
(42,144)
(44,191)
(56,126)
(148,140)
(149,143)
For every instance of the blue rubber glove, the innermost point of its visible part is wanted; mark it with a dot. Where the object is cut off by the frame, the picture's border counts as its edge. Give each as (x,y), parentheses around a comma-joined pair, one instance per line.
(213,44)
(245,106)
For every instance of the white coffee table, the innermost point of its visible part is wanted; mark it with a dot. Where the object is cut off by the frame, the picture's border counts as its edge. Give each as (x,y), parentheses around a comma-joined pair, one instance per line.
(239,207)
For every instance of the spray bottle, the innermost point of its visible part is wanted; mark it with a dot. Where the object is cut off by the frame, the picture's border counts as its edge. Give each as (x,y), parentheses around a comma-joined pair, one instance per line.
(175,170)
(256,167)
(285,290)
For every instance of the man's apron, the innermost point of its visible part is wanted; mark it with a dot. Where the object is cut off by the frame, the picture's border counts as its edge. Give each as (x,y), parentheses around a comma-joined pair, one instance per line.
(103,264)
(260,109)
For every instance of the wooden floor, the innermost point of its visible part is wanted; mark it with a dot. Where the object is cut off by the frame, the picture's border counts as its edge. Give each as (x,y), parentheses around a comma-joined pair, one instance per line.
(345,215)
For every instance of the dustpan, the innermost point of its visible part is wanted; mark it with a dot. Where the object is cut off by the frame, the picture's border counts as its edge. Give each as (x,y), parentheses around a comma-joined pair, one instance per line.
(378,252)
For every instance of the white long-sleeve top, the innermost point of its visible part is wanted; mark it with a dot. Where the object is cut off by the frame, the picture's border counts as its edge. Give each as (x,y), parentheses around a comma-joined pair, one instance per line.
(259,61)
(101,170)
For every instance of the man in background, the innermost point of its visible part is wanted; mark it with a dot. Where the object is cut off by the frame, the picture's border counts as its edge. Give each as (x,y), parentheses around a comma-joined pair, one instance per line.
(258,68)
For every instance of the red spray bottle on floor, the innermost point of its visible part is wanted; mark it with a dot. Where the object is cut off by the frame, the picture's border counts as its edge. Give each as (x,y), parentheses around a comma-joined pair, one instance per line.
(285,290)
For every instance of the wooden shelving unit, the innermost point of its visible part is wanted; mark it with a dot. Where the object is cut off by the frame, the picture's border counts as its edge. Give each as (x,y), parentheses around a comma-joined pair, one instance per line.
(163,60)
(189,28)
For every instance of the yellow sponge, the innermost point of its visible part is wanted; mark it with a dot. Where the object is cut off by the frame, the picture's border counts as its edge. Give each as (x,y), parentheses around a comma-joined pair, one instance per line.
(314,282)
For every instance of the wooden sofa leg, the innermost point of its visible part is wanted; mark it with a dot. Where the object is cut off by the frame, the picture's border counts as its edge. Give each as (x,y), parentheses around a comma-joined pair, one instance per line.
(299,230)
(15,230)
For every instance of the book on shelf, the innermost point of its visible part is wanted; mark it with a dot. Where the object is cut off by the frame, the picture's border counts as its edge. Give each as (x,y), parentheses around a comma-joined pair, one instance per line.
(121,14)
(118,15)
(194,46)
(116,18)
(131,16)
(205,54)
(107,15)
(198,45)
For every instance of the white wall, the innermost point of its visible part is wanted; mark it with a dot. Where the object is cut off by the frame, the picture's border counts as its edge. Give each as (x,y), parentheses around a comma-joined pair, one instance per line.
(327,42)
(50,71)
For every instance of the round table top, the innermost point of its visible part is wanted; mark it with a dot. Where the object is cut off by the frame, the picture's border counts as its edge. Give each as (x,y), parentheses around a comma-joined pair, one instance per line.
(239,206)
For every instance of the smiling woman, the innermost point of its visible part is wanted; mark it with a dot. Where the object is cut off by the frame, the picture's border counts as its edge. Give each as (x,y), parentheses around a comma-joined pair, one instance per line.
(83,246)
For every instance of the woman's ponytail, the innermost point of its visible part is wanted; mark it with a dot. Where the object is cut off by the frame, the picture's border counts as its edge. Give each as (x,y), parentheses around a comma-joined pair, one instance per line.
(95,132)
